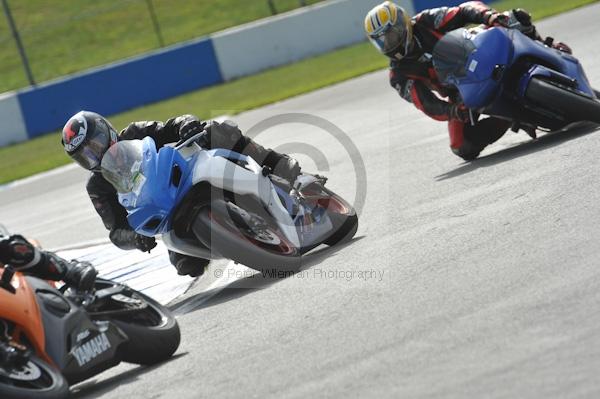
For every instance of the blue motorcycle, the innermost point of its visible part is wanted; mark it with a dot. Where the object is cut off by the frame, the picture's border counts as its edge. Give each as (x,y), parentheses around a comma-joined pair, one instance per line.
(217,204)
(503,73)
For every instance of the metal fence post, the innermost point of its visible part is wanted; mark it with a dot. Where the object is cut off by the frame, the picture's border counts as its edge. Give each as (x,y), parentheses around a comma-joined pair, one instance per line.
(17,37)
(161,42)
(272,7)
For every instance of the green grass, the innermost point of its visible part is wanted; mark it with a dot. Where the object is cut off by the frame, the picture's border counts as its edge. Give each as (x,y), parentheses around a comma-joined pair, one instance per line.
(541,8)
(45,152)
(65,36)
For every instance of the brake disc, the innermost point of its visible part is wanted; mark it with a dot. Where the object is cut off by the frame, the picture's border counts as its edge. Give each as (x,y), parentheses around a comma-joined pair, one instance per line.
(29,372)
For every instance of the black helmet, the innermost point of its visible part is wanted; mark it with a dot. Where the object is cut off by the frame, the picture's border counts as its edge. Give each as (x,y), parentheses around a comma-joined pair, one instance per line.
(86,137)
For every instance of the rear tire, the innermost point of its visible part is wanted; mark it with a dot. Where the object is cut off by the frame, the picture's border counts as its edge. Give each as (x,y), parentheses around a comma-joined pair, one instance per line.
(50,385)
(574,107)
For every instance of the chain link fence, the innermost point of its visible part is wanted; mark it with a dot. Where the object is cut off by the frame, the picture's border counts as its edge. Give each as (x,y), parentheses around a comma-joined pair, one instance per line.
(41,40)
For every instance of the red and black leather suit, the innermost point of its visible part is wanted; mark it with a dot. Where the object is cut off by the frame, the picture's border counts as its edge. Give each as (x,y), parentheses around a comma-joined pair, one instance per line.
(416,80)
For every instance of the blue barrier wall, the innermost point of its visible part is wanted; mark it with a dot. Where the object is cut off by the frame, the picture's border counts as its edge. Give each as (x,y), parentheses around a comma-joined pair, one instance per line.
(121,86)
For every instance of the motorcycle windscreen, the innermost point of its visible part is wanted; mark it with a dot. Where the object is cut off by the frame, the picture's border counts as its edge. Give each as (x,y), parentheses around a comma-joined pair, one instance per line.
(122,166)
(450,55)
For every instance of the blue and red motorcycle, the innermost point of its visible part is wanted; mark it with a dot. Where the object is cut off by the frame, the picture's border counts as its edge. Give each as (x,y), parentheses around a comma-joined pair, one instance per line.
(503,73)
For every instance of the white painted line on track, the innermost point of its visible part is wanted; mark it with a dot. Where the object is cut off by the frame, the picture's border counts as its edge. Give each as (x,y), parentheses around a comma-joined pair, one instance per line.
(39,176)
(151,273)
(82,245)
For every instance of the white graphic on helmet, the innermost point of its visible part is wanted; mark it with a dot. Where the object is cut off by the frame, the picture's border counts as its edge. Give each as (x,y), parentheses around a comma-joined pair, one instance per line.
(75,132)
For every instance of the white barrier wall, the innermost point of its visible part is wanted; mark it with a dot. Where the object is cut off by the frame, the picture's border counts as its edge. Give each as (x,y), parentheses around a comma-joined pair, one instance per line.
(293,36)
(12,128)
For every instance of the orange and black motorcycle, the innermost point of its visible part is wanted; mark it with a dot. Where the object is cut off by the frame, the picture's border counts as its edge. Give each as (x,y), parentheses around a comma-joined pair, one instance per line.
(50,338)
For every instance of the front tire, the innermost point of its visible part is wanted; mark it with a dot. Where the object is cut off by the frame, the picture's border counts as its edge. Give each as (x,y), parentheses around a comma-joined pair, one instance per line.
(573,106)
(219,228)
(343,217)
(153,331)
(37,380)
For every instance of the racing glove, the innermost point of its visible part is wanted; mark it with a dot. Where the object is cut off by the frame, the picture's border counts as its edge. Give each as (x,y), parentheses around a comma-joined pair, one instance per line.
(143,243)
(493,18)
(191,128)
(524,19)
(523,16)
(17,251)
(81,275)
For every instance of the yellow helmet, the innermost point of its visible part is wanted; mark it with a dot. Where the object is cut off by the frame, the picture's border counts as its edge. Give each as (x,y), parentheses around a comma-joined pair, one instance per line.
(389,28)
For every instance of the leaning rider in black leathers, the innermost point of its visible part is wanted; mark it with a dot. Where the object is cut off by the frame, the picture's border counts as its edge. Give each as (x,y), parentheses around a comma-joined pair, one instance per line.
(23,256)
(87,136)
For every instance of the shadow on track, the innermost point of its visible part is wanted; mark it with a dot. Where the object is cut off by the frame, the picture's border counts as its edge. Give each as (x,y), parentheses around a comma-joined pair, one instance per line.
(260,280)
(92,388)
(545,142)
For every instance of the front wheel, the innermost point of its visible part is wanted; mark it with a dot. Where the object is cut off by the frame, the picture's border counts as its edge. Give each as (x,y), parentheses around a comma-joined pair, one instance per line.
(152,330)
(37,379)
(573,106)
(252,240)
(342,215)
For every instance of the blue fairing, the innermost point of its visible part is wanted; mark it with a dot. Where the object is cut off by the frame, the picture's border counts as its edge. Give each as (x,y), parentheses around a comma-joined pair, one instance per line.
(149,210)
(168,179)
(491,54)
(478,88)
(158,183)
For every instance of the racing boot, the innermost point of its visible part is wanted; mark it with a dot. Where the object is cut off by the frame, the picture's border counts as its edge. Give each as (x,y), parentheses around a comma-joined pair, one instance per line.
(188,265)
(476,138)
(283,166)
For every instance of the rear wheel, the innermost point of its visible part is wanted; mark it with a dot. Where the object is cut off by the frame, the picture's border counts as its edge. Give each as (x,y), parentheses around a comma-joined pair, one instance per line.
(152,330)
(37,379)
(573,106)
(254,240)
